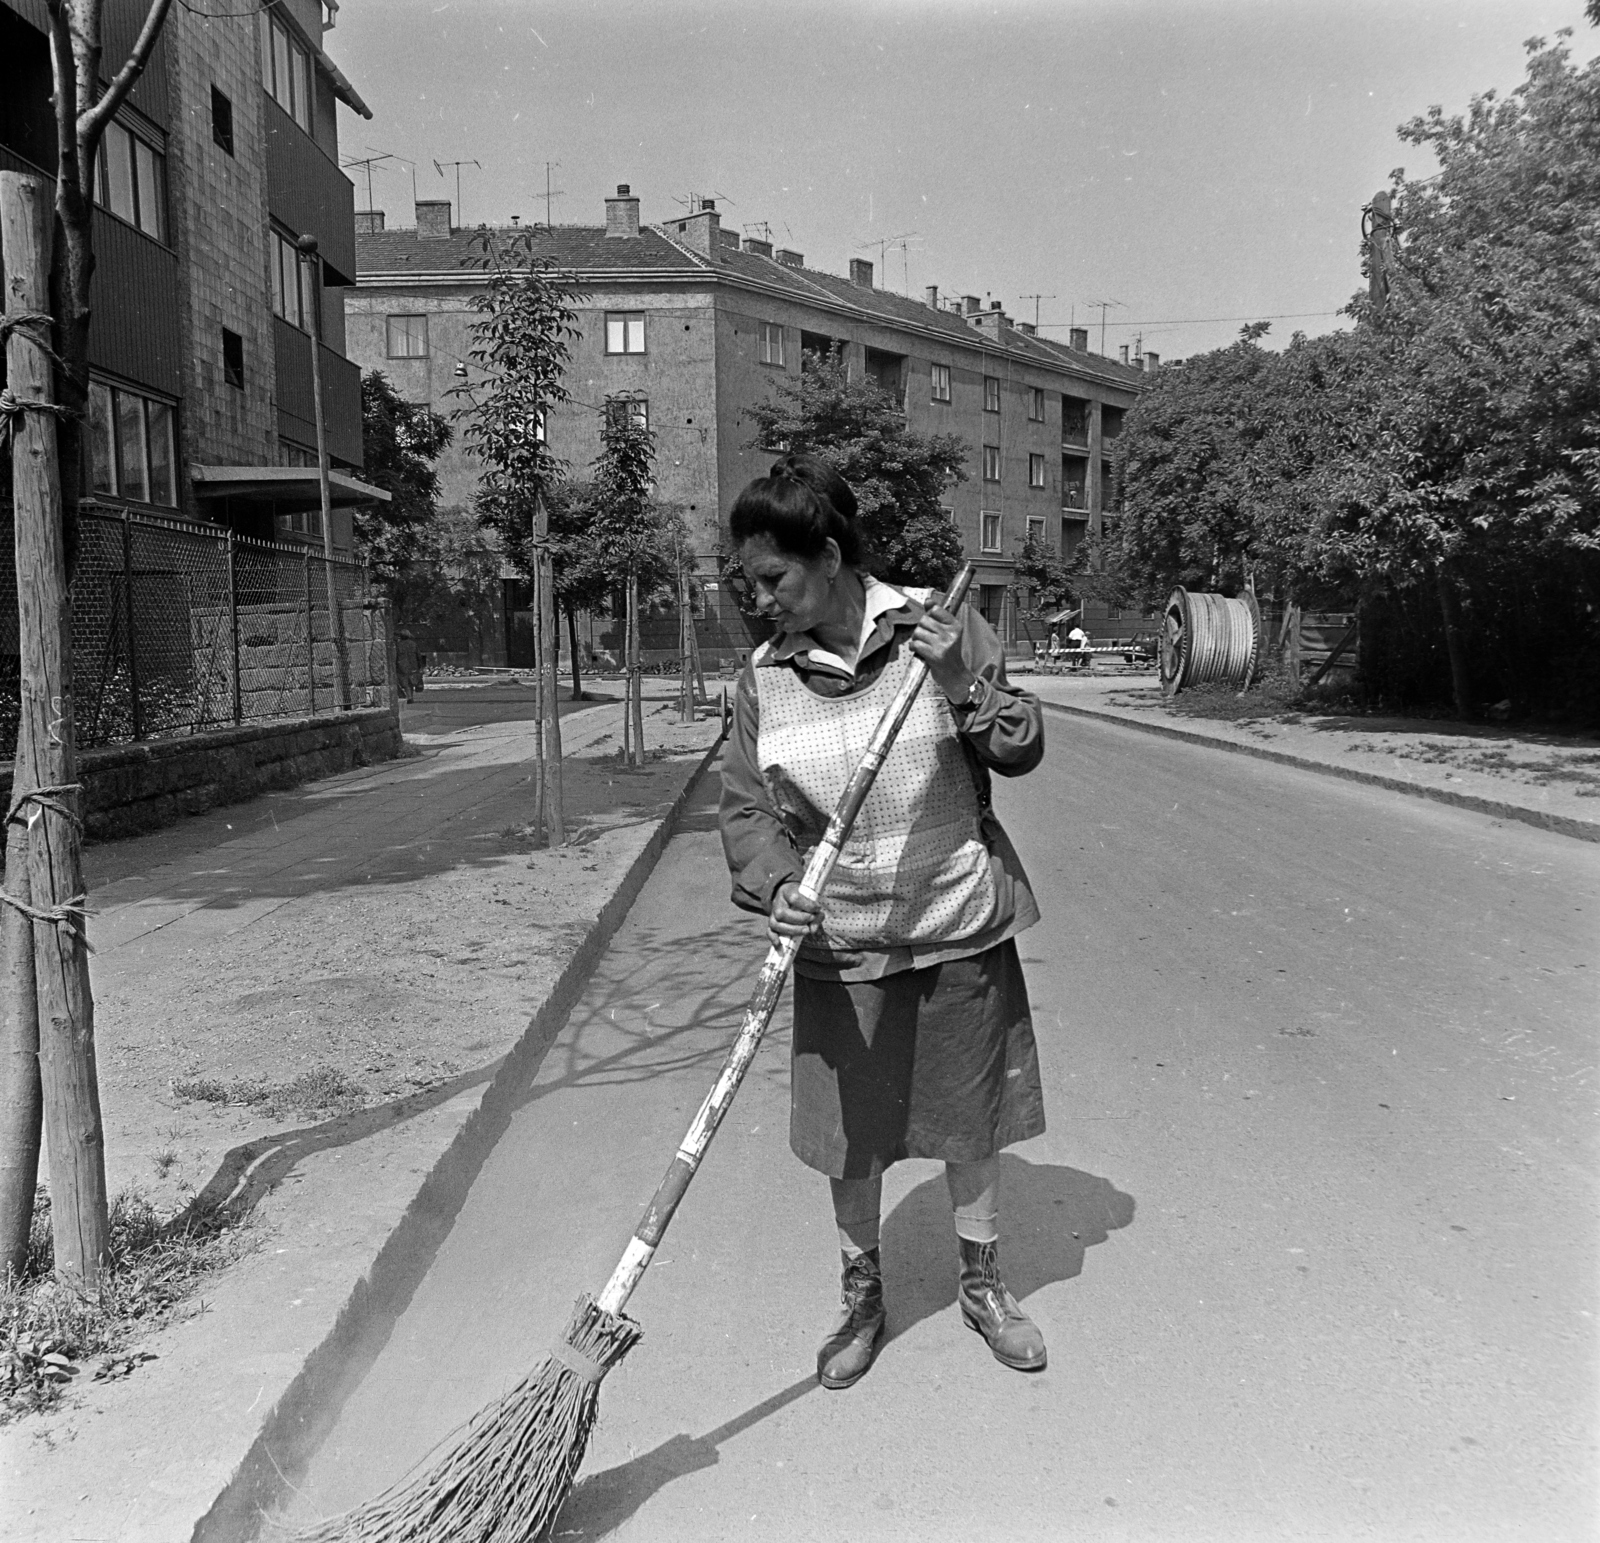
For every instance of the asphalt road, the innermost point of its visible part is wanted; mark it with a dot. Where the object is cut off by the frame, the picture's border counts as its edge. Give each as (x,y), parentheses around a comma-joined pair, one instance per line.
(1312,1234)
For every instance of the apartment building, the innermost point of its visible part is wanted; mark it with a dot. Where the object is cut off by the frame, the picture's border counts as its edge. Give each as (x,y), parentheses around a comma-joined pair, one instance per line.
(696,324)
(226,152)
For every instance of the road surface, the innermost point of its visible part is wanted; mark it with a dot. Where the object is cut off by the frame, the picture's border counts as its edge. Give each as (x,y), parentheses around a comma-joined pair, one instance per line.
(1312,1233)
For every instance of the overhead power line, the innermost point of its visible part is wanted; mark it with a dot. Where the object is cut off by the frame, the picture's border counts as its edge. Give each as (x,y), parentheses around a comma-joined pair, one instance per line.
(1196,321)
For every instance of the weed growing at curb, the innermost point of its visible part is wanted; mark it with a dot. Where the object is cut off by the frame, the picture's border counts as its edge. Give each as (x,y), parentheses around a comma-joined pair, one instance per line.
(49,1329)
(325,1088)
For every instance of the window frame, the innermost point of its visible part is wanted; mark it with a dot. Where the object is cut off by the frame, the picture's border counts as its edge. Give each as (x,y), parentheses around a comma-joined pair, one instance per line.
(146,188)
(1036,471)
(282,50)
(987,519)
(308,311)
(1036,528)
(991,393)
(1036,404)
(114,411)
(939,382)
(991,463)
(625,321)
(771,331)
(638,408)
(230,376)
(222,120)
(389,335)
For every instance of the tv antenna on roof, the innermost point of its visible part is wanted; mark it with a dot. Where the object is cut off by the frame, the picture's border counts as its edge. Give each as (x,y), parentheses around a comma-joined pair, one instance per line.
(366,163)
(1036,299)
(884,244)
(439,167)
(694,200)
(550,192)
(1102,306)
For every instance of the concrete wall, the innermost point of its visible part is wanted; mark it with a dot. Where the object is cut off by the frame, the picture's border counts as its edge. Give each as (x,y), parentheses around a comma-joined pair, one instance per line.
(129,789)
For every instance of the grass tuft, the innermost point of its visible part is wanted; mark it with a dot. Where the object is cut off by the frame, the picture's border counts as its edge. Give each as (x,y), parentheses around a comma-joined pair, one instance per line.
(50,1329)
(311,1092)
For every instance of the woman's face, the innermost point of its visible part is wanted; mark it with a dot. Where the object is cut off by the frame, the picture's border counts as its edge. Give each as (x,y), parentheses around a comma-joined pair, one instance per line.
(794,593)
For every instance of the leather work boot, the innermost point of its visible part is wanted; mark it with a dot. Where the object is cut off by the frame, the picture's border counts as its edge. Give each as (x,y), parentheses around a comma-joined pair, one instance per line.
(992,1311)
(847,1352)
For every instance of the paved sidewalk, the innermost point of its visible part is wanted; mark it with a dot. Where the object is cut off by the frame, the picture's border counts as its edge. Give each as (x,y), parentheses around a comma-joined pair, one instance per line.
(393,924)
(1539,779)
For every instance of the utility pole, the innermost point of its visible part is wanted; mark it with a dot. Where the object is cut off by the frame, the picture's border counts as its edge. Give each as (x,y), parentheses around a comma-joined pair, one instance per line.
(1036,299)
(439,167)
(311,268)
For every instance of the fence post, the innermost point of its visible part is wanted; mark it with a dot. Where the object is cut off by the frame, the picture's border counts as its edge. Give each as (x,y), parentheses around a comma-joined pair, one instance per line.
(311,648)
(233,622)
(136,711)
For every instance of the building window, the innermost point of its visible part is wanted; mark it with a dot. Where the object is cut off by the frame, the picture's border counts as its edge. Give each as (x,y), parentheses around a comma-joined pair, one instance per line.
(771,346)
(221,121)
(232,359)
(991,463)
(991,394)
(293,296)
(286,70)
(949,512)
(1036,529)
(1075,420)
(131,450)
(634,409)
(129,181)
(1035,471)
(989,531)
(1036,405)
(408,337)
(624,332)
(941,383)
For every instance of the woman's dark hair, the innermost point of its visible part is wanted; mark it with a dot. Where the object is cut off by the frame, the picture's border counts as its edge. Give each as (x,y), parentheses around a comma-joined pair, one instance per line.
(798,506)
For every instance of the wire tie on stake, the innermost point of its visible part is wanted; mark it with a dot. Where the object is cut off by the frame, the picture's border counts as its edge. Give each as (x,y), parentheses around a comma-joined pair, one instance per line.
(71,915)
(47,798)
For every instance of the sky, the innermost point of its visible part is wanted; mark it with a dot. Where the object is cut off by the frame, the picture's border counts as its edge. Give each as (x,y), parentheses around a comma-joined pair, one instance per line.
(1172,168)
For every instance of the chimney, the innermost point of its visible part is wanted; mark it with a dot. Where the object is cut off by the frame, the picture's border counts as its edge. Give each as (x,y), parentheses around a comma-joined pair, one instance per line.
(861,272)
(433,219)
(970,305)
(759,247)
(790,258)
(1029,328)
(1122,353)
(1078,338)
(1152,362)
(622,213)
(931,296)
(730,239)
(701,231)
(994,305)
(369,221)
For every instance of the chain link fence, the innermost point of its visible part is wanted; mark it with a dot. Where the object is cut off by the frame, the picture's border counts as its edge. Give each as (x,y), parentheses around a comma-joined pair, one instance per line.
(178,628)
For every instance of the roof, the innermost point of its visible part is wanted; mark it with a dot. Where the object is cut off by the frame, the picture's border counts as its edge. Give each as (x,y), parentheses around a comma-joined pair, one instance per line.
(589,252)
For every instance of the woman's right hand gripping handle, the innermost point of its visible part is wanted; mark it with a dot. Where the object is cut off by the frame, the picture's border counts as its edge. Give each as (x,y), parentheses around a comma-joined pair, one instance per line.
(794,915)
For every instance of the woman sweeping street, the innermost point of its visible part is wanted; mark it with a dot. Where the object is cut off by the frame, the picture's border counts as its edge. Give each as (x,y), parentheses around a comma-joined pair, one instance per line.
(912,1035)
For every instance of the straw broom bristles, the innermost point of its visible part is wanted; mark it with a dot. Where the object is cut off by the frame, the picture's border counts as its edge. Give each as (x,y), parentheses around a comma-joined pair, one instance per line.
(506,1476)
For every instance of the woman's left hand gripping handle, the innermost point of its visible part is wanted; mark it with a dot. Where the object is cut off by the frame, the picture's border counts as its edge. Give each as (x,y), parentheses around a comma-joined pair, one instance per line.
(794,913)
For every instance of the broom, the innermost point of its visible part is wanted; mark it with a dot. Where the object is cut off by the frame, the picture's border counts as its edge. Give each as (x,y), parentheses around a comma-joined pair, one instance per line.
(507,1472)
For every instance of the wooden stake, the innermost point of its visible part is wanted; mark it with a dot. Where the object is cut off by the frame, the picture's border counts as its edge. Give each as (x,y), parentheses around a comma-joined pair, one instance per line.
(46,757)
(550,677)
(635,675)
(21,1094)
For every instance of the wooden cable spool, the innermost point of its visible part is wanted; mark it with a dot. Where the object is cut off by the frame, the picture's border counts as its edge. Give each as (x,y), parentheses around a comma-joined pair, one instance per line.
(1206,638)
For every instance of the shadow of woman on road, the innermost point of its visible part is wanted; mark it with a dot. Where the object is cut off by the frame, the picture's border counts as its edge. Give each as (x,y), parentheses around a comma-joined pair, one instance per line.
(1050,1215)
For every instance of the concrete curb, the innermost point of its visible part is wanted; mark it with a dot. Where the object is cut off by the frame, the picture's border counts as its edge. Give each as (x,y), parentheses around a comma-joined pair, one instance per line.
(308,1407)
(1561,824)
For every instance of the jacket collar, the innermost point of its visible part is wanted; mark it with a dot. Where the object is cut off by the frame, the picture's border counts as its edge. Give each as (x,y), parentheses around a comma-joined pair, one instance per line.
(886,608)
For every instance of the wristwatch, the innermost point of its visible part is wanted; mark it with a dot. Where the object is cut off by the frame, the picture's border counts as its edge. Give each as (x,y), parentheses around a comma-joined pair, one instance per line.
(974,693)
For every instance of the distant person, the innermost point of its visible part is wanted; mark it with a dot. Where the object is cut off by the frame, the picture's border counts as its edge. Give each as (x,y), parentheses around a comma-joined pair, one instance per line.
(1077,641)
(407,669)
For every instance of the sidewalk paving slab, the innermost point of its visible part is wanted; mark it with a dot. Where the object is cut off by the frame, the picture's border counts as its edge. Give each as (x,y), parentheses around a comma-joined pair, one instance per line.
(283,895)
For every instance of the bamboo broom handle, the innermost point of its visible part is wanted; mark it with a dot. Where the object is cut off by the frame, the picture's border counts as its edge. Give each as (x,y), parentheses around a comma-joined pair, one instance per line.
(769,985)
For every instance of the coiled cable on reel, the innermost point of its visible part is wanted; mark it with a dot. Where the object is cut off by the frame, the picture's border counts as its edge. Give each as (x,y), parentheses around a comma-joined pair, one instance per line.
(1209,638)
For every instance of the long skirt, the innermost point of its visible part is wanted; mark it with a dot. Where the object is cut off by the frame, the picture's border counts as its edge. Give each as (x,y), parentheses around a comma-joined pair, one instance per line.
(938,1062)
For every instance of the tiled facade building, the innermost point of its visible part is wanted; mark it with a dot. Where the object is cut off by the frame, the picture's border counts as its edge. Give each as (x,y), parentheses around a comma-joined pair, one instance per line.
(225,153)
(700,324)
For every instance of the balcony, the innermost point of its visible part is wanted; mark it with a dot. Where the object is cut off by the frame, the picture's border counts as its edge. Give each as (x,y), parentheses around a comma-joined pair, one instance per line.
(341,394)
(309,194)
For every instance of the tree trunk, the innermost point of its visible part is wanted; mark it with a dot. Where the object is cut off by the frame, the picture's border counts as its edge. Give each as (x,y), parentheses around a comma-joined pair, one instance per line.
(21,1095)
(46,759)
(1460,686)
(540,780)
(635,672)
(550,638)
(572,641)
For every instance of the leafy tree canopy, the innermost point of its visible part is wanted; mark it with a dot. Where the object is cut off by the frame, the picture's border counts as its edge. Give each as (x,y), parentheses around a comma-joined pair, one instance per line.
(899,477)
(402,441)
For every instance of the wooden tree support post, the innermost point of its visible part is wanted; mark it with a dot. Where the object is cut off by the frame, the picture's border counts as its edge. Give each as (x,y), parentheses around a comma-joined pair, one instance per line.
(46,760)
(550,676)
(21,1093)
(635,671)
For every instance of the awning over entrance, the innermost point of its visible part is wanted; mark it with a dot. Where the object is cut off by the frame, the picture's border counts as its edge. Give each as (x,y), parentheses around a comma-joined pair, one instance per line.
(286,489)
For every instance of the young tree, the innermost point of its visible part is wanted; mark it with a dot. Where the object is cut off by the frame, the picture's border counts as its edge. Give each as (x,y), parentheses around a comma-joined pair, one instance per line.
(49,265)
(522,343)
(899,477)
(402,440)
